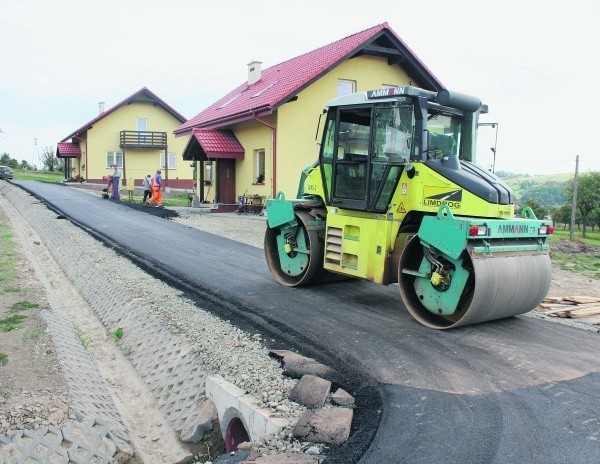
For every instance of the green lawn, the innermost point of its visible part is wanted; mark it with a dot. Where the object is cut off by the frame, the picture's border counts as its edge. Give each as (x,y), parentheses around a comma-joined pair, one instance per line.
(44,176)
(591,238)
(173,199)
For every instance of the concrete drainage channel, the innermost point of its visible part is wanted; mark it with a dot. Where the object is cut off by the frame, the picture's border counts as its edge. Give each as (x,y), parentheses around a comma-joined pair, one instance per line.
(186,394)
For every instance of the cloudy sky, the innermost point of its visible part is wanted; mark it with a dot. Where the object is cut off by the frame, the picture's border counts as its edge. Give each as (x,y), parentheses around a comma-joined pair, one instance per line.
(533,62)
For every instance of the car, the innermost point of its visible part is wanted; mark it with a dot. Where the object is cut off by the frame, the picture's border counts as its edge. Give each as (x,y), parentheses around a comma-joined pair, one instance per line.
(6,172)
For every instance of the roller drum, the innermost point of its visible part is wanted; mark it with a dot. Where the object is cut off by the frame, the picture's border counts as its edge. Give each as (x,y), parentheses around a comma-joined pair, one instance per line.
(500,286)
(312,272)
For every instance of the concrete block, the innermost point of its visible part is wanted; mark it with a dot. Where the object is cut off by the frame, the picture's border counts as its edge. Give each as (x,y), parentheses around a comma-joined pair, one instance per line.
(231,402)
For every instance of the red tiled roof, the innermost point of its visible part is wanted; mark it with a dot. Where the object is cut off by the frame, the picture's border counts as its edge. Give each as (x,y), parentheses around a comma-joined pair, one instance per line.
(68,150)
(214,143)
(217,141)
(281,82)
(144,94)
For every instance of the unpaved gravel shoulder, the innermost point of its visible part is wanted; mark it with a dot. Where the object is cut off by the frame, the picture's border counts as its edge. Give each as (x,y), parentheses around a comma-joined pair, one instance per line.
(33,391)
(151,437)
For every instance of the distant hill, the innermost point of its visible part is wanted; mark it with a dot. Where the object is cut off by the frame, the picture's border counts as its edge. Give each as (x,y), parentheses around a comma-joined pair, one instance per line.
(547,190)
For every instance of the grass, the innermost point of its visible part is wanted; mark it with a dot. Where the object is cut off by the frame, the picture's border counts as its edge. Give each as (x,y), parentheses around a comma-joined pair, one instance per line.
(82,337)
(587,264)
(168,199)
(591,238)
(117,334)
(7,256)
(44,176)
(23,306)
(10,289)
(3,359)
(33,334)
(11,322)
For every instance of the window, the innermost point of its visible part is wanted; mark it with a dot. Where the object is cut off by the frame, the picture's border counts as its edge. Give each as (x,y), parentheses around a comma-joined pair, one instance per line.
(208,171)
(345,87)
(172,160)
(114,157)
(259,166)
(142,126)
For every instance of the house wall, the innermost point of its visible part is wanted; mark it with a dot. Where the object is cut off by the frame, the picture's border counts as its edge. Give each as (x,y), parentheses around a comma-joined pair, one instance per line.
(297,122)
(254,136)
(104,136)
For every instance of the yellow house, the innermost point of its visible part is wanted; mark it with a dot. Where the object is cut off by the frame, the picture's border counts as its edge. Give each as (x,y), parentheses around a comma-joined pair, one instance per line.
(256,140)
(137,135)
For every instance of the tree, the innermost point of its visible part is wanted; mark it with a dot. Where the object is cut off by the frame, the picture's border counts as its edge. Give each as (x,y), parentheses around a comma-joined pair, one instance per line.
(50,161)
(562,215)
(4,159)
(595,217)
(538,210)
(588,195)
(24,165)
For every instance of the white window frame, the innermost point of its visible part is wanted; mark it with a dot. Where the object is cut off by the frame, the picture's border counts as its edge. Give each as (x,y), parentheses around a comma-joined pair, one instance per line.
(208,171)
(114,157)
(259,165)
(172,160)
(142,124)
(345,87)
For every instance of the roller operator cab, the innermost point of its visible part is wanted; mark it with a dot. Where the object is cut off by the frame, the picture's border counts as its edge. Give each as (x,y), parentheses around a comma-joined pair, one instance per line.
(396,196)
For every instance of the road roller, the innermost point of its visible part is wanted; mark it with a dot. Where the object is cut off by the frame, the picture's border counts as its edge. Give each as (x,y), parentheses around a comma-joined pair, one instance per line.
(396,197)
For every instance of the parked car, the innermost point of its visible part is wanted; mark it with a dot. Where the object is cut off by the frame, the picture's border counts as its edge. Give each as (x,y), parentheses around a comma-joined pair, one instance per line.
(6,172)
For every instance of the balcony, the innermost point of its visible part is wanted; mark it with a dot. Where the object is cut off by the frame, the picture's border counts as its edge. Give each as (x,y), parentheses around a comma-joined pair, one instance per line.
(143,139)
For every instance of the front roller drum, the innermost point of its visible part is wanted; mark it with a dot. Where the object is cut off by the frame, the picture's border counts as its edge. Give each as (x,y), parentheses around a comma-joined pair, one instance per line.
(498,287)
(300,264)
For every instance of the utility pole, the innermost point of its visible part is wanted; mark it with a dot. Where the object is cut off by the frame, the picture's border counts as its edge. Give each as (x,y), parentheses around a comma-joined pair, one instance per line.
(36,153)
(574,206)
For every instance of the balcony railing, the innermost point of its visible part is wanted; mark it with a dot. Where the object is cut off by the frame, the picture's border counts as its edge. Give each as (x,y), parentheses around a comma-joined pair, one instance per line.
(143,139)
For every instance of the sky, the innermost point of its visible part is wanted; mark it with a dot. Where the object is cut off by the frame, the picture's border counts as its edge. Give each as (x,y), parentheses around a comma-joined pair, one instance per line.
(530,61)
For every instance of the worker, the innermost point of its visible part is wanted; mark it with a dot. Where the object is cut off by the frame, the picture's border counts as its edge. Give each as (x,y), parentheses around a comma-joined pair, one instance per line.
(116,177)
(156,186)
(147,184)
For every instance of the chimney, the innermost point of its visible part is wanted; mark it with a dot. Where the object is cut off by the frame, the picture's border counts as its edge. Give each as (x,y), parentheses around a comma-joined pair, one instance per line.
(254,72)
(101,107)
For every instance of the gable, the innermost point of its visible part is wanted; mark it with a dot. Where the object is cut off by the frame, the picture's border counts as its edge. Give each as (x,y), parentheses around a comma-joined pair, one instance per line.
(281,83)
(144,95)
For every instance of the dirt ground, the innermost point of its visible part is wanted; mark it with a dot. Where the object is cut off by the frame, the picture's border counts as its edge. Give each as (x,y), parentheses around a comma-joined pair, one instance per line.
(33,392)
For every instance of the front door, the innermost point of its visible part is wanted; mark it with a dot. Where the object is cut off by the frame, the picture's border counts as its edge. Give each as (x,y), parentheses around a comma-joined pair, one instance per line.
(226,181)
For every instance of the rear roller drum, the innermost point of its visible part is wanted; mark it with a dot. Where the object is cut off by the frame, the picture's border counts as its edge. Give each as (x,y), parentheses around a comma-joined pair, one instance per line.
(295,255)
(442,293)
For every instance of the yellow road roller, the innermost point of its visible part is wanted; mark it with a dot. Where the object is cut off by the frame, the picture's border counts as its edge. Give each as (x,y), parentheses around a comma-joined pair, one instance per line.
(396,197)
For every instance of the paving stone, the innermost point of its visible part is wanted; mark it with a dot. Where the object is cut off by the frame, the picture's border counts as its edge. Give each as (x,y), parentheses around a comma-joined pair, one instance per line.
(342,398)
(330,426)
(311,391)
(288,459)
(295,365)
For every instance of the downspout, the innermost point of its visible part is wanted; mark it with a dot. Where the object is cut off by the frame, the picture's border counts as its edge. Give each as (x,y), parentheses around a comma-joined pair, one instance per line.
(274,129)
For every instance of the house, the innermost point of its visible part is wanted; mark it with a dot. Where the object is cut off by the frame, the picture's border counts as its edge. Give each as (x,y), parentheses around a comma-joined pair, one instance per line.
(258,138)
(137,135)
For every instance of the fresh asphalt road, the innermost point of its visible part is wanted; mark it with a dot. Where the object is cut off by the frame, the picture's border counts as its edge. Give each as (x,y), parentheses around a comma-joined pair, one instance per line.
(518,390)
